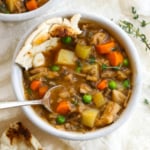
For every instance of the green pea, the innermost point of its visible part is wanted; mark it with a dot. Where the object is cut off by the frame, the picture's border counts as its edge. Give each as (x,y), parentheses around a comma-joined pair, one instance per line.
(60,119)
(126,62)
(126,83)
(112,85)
(66,40)
(87,98)
(55,68)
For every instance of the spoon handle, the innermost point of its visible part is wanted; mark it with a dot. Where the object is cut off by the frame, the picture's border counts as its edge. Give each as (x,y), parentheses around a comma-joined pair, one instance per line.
(9,104)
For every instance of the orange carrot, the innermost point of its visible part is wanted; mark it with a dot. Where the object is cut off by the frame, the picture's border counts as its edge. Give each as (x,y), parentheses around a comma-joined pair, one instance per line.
(102,84)
(105,48)
(31,4)
(115,58)
(43,90)
(35,84)
(63,107)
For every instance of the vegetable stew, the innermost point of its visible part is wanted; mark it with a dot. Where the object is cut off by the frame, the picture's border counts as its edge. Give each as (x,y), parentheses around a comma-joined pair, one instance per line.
(19,6)
(97,78)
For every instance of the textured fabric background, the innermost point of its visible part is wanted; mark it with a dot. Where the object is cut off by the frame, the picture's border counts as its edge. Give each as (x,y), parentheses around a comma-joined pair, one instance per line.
(135,133)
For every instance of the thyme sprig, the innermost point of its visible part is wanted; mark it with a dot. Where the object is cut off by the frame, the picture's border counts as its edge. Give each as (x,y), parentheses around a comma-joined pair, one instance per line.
(146,101)
(131,29)
(143,23)
(135,31)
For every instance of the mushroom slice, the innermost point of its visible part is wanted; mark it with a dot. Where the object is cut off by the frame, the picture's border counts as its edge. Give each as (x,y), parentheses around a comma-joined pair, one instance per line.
(109,115)
(84,88)
(38,60)
(121,75)
(18,137)
(38,70)
(91,71)
(99,38)
(118,97)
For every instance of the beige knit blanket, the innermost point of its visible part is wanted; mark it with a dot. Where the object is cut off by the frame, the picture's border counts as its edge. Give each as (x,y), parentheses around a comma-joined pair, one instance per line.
(135,133)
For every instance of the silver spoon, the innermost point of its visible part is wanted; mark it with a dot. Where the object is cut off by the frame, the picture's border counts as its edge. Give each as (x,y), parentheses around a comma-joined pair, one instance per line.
(45,101)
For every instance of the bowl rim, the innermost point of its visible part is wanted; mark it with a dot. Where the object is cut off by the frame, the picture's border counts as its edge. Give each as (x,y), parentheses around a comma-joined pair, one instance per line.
(135,64)
(27,15)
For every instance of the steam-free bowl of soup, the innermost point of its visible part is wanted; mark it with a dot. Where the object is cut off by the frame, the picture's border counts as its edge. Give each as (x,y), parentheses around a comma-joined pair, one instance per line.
(19,10)
(95,62)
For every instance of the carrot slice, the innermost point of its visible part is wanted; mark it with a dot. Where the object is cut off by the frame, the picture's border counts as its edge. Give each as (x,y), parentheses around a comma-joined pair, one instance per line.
(102,84)
(63,107)
(31,4)
(115,58)
(43,90)
(35,84)
(105,48)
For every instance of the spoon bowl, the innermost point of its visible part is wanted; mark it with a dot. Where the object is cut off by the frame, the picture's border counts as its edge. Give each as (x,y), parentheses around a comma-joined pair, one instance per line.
(45,101)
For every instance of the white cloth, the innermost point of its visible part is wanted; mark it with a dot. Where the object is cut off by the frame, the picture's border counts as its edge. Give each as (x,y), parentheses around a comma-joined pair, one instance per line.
(135,133)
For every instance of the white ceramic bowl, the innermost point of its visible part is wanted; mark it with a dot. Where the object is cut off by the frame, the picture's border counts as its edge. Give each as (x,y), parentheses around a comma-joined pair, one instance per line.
(27,15)
(126,42)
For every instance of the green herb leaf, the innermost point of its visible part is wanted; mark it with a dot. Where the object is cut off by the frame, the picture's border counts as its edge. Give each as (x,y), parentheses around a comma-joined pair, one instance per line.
(92,60)
(144,23)
(114,48)
(104,67)
(78,69)
(4,9)
(135,15)
(133,10)
(146,101)
(29,91)
(79,64)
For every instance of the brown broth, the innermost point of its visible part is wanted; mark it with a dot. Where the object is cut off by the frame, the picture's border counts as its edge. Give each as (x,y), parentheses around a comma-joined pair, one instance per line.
(72,81)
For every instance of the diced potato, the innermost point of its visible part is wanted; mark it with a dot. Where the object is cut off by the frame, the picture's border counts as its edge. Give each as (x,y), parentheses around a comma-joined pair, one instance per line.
(11,4)
(89,117)
(65,57)
(83,51)
(92,72)
(99,99)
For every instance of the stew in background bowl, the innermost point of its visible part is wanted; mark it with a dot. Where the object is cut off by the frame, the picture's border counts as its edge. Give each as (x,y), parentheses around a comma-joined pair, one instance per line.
(17,10)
